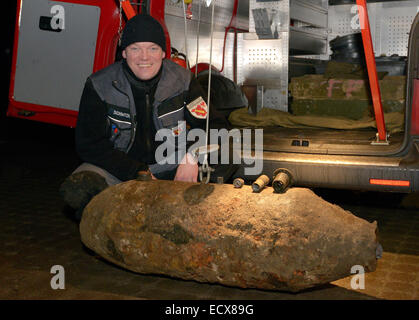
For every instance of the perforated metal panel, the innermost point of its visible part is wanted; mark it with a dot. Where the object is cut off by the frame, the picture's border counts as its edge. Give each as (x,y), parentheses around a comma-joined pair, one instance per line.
(264,63)
(174,17)
(264,58)
(390,24)
(394,26)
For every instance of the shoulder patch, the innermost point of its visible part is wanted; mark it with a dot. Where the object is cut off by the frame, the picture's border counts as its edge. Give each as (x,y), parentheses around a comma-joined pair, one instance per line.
(198,108)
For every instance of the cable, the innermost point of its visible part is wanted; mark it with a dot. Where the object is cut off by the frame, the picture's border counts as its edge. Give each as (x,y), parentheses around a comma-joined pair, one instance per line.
(186,35)
(197,39)
(205,166)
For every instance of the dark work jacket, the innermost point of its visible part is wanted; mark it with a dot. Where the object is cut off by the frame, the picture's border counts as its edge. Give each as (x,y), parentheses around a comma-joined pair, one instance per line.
(107,124)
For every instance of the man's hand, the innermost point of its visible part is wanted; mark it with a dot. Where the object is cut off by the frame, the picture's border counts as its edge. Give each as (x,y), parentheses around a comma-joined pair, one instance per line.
(187,170)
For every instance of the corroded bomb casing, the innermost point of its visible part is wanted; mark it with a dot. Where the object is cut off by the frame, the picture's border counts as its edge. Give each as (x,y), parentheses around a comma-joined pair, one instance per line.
(220,234)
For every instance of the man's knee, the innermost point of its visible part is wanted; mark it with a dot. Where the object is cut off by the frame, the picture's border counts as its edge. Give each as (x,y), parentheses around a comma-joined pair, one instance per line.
(80,187)
(110,179)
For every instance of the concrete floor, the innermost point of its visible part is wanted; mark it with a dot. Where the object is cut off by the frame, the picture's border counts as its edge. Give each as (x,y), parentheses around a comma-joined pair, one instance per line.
(37,232)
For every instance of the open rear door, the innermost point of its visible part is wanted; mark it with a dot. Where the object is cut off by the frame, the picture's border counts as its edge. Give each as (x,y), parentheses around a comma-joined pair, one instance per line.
(58,44)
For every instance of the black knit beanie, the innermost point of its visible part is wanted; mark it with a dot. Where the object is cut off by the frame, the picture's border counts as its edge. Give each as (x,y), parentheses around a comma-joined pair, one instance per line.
(143,28)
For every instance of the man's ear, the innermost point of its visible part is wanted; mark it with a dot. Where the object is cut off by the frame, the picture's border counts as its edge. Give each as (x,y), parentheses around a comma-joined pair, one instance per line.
(163,54)
(124,54)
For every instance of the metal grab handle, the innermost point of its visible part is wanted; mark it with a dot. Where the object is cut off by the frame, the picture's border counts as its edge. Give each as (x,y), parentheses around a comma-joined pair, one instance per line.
(205,168)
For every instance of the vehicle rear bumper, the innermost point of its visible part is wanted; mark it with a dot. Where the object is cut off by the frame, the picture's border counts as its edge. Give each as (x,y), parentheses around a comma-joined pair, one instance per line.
(394,174)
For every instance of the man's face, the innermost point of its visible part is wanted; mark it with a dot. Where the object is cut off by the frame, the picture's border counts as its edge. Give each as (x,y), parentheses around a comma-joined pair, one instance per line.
(144,59)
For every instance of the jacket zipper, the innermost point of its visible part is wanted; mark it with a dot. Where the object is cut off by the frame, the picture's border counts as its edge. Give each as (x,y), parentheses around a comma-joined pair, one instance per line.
(148,120)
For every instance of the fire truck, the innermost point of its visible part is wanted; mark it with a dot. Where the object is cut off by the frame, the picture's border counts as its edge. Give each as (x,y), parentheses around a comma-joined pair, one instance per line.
(272,51)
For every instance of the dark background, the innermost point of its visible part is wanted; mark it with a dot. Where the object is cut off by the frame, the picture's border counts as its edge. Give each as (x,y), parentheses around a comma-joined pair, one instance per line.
(8,25)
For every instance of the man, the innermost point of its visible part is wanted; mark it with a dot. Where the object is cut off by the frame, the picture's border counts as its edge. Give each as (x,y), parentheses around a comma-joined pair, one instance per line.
(123,107)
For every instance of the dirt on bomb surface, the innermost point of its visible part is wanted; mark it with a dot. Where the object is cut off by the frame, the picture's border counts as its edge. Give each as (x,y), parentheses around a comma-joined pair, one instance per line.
(219,234)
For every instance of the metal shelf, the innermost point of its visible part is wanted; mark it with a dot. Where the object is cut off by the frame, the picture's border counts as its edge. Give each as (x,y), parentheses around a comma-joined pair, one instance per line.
(312,14)
(306,42)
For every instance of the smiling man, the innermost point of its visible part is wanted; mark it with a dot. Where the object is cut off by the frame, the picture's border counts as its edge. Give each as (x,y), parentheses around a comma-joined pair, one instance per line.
(122,108)
(144,59)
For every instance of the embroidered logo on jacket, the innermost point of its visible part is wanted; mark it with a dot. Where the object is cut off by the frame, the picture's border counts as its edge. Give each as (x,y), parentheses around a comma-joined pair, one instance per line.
(121,114)
(198,108)
(118,114)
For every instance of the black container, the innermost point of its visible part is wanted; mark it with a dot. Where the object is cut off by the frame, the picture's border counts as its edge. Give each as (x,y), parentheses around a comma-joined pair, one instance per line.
(351,41)
(394,65)
(348,48)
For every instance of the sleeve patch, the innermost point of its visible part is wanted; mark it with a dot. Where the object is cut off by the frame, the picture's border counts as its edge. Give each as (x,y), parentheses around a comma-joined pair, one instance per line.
(198,108)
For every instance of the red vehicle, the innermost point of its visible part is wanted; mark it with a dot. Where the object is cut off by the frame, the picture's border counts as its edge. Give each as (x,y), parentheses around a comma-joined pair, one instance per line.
(59,44)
